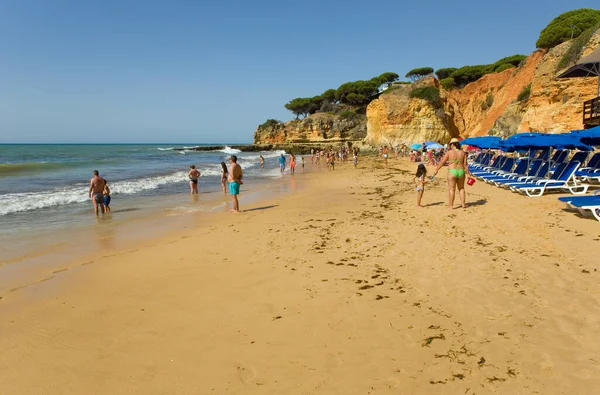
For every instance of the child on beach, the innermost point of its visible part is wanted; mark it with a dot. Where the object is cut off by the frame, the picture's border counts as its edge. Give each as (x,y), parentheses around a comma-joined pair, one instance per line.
(355,160)
(106,194)
(420,180)
(292,164)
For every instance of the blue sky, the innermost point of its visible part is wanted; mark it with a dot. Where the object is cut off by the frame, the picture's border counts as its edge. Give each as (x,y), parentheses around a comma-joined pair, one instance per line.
(198,71)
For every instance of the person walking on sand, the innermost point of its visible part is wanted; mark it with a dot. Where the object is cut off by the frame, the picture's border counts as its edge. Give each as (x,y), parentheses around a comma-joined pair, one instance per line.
(282,163)
(302,161)
(224,176)
(235,180)
(106,194)
(292,164)
(193,175)
(420,180)
(457,169)
(95,192)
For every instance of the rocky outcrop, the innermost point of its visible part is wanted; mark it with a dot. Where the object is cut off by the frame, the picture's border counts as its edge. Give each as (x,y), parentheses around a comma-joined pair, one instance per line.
(319,128)
(476,108)
(490,105)
(555,105)
(394,118)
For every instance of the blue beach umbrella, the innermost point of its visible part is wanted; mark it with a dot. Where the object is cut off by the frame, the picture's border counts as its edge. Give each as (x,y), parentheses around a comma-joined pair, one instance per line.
(535,141)
(588,136)
(415,146)
(433,146)
(483,142)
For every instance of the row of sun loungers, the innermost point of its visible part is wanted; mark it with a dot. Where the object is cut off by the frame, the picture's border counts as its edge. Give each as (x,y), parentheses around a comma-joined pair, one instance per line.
(537,175)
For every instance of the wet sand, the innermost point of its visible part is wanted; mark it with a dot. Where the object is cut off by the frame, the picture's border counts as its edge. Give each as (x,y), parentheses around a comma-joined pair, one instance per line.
(342,286)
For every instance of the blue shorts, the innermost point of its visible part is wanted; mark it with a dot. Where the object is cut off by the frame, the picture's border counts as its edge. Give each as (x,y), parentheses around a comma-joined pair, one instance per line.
(106,200)
(234,188)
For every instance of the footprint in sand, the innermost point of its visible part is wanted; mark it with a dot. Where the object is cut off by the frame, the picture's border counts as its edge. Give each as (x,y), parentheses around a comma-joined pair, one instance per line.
(246,375)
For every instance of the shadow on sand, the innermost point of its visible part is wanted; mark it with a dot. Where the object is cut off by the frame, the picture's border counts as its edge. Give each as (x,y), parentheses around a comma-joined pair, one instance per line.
(124,210)
(479,202)
(433,204)
(259,208)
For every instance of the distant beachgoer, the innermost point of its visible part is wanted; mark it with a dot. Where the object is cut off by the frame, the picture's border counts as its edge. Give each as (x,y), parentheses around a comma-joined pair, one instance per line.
(302,160)
(95,192)
(193,175)
(235,180)
(282,163)
(224,174)
(355,160)
(261,161)
(457,169)
(420,180)
(292,164)
(106,194)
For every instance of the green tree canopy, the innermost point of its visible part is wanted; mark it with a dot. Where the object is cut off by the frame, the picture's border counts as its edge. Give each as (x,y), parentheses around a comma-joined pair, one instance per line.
(445,73)
(566,26)
(503,67)
(467,74)
(385,78)
(448,83)
(514,60)
(328,95)
(420,72)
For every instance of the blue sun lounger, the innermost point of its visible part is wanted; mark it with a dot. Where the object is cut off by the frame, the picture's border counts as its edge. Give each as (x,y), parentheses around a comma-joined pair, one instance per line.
(520,170)
(561,182)
(584,204)
(537,172)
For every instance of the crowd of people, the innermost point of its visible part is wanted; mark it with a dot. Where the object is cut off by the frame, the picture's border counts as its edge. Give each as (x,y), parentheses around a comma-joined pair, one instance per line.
(231,177)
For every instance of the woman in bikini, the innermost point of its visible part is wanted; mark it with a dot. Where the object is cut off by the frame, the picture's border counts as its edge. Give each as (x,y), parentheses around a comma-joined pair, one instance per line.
(224,175)
(457,169)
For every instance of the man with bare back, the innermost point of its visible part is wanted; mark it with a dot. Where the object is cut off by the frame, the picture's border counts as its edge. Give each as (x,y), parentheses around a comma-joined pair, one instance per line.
(235,180)
(96,192)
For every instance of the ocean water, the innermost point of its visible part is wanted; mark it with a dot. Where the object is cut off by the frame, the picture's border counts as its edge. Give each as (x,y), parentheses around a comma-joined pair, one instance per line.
(44,188)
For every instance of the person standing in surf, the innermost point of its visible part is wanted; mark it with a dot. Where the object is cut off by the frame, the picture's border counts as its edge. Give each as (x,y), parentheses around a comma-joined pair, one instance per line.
(224,176)
(261,161)
(292,163)
(96,192)
(235,180)
(106,193)
(193,175)
(282,163)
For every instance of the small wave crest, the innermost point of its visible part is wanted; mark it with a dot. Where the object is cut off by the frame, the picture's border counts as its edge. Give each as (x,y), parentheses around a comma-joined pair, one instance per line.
(27,201)
(229,151)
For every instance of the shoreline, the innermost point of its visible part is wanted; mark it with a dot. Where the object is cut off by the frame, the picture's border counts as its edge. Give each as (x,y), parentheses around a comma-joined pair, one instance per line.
(343,286)
(129,224)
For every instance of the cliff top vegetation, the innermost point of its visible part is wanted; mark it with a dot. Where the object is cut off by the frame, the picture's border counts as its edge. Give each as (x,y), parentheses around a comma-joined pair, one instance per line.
(355,93)
(567,26)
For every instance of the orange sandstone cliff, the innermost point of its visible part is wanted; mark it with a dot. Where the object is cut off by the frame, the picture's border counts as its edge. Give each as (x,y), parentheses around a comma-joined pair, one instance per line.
(489,105)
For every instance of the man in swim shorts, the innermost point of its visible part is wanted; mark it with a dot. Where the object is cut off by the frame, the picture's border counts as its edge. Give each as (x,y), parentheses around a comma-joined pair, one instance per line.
(235,180)
(96,192)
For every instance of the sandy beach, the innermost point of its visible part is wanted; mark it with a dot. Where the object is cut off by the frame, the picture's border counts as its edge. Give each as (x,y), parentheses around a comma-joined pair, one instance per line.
(339,286)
